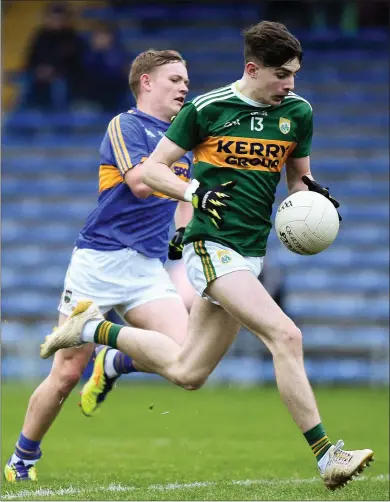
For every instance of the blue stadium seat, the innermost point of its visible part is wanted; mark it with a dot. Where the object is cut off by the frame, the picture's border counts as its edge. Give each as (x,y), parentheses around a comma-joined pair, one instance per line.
(327,280)
(33,119)
(344,57)
(323,336)
(360,213)
(336,257)
(30,255)
(365,188)
(339,307)
(340,119)
(355,142)
(50,187)
(61,211)
(44,233)
(29,303)
(363,235)
(339,164)
(38,163)
(45,277)
(54,141)
(20,331)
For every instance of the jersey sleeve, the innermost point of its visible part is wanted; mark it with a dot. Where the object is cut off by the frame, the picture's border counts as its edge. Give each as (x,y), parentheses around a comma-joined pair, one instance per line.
(127,142)
(185,128)
(303,147)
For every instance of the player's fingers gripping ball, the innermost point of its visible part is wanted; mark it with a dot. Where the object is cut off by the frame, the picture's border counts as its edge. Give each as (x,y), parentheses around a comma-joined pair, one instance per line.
(313,186)
(175,248)
(213,201)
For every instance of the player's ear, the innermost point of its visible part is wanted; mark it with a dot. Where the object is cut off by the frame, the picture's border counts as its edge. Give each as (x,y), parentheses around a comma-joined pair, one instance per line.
(145,82)
(251,69)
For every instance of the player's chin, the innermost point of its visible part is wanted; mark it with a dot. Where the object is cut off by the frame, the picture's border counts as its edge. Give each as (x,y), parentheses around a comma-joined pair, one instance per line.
(276,100)
(177,106)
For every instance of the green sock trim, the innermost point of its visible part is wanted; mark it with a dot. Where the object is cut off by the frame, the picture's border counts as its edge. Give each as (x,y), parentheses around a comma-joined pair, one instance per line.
(113,335)
(318,441)
(107,333)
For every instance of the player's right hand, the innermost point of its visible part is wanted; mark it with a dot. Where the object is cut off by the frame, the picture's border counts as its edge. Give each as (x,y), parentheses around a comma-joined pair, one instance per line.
(175,248)
(213,201)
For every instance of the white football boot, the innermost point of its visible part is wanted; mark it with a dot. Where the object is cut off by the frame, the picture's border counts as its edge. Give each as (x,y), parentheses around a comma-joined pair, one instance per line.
(338,467)
(69,334)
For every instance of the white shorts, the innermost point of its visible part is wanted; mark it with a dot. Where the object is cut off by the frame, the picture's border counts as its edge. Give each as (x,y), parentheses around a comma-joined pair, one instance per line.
(121,279)
(207,260)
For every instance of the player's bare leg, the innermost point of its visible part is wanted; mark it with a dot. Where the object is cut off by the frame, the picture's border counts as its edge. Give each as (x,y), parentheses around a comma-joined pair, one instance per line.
(187,366)
(177,273)
(44,406)
(47,400)
(168,316)
(165,315)
(190,365)
(244,297)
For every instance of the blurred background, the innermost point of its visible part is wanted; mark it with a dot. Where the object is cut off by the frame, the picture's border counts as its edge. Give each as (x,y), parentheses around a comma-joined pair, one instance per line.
(65,69)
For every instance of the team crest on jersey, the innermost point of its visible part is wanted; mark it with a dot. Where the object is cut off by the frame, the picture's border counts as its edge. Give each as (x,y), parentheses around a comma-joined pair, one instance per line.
(284,125)
(67,295)
(224,256)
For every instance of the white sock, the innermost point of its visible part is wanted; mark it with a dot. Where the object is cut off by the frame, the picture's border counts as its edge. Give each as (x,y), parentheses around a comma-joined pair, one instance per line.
(88,332)
(323,461)
(15,459)
(109,369)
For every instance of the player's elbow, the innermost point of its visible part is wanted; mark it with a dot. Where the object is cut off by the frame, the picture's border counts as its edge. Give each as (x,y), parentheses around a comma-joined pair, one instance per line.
(133,178)
(141,190)
(147,173)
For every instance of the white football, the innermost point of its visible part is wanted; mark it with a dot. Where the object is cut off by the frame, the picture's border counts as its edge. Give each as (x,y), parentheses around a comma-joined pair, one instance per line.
(306,223)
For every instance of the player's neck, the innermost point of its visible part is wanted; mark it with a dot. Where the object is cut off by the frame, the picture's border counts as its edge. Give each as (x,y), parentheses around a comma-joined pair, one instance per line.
(245,87)
(150,109)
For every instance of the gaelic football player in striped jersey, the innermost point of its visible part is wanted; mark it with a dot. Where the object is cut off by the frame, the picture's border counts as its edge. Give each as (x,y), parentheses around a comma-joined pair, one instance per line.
(119,254)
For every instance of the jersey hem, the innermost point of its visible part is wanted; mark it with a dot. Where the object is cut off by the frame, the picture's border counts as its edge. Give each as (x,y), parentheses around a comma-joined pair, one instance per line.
(249,253)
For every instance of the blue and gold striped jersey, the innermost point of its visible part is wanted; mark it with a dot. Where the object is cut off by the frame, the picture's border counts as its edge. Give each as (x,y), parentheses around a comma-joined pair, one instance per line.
(121,219)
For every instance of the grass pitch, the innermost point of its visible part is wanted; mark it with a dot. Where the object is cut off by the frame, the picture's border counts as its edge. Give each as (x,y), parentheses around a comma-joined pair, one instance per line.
(158,442)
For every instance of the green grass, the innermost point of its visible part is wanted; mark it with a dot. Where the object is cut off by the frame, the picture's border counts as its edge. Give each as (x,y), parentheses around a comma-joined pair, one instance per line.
(160,435)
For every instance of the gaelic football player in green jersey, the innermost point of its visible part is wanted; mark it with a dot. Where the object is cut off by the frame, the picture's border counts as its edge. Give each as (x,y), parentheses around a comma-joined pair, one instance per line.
(241,135)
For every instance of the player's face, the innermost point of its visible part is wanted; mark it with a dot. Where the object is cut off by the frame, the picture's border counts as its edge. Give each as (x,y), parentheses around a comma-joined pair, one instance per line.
(273,84)
(170,87)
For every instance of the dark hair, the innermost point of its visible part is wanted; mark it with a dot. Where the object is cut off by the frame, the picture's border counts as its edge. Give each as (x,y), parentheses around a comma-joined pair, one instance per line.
(270,44)
(147,61)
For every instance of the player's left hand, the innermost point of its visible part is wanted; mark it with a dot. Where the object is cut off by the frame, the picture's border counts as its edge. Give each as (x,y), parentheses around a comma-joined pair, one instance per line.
(175,248)
(313,186)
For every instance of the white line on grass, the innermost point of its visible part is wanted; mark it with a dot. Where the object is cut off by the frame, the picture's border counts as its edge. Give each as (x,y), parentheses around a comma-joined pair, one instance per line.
(118,487)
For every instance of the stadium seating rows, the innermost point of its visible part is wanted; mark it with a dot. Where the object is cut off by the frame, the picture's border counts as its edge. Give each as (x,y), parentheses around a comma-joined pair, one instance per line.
(49,186)
(88,162)
(16,186)
(31,120)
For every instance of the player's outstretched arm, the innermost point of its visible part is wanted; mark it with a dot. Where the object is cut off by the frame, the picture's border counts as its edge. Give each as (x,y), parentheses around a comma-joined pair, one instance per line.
(212,201)
(157,174)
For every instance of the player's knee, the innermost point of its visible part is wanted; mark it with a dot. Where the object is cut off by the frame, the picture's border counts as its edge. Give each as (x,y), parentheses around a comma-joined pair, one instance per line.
(189,380)
(288,339)
(68,376)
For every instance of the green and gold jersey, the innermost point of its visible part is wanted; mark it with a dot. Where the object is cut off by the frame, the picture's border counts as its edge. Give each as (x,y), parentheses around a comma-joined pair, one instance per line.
(236,138)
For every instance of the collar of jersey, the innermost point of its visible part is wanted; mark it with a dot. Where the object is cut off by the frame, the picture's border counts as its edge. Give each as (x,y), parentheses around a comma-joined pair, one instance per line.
(249,101)
(136,111)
